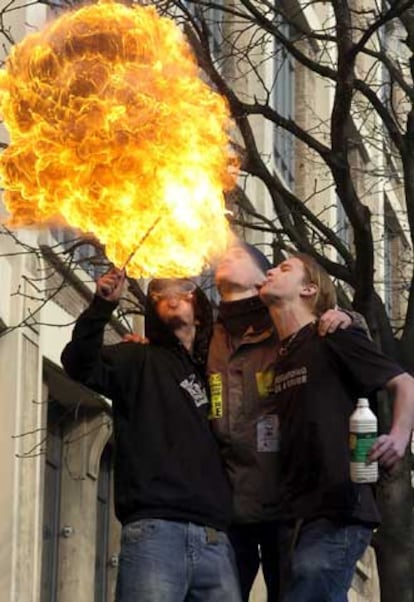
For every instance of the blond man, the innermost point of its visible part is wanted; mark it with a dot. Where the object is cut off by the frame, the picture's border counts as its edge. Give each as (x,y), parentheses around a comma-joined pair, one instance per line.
(327,520)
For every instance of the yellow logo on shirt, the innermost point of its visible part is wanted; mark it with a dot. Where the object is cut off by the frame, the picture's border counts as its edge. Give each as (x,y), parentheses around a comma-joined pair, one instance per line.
(216,392)
(264,382)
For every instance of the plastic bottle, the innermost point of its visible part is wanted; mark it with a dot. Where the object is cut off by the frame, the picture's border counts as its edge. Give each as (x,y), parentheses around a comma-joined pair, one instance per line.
(363,432)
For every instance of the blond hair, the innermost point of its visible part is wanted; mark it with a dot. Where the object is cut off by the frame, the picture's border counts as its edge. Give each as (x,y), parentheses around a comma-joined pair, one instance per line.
(325,297)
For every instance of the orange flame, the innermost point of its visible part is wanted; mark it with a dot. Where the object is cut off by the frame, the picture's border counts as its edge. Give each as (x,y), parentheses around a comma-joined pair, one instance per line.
(113,130)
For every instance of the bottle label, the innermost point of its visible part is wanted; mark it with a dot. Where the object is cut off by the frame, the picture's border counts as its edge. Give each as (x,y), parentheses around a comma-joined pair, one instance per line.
(360,444)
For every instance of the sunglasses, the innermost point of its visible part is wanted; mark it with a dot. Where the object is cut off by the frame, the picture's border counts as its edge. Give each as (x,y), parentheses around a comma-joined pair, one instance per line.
(175,290)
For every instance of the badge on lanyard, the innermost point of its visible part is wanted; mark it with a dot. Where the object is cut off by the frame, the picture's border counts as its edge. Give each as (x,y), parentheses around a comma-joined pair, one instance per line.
(268,433)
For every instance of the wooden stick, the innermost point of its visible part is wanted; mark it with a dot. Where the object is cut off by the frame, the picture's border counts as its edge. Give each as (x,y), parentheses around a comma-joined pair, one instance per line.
(141,242)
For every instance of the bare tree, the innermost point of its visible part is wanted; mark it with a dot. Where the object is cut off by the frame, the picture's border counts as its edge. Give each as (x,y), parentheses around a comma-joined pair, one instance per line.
(72,263)
(358,148)
(342,153)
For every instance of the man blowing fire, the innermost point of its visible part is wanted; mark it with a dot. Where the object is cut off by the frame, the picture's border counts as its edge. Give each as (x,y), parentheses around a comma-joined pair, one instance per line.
(171,493)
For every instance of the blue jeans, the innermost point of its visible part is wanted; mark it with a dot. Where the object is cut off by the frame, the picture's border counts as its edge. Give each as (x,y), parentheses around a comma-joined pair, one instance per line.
(168,561)
(323,561)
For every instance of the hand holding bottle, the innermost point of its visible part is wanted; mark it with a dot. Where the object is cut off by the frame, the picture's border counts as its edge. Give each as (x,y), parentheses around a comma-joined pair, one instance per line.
(389,449)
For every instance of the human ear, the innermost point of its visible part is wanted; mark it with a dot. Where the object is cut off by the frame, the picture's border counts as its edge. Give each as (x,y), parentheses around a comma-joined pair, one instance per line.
(309,290)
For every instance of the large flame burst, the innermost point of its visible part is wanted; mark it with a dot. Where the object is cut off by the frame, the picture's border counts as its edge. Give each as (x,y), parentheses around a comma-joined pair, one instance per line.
(113,130)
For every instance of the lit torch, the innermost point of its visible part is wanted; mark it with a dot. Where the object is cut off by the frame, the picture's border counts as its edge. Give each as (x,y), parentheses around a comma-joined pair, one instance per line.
(113,132)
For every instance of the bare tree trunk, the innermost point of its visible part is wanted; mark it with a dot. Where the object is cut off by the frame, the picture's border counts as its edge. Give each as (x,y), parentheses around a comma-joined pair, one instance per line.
(393,542)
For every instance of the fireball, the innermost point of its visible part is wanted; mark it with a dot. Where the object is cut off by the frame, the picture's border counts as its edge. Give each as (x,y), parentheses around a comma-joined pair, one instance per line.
(114,132)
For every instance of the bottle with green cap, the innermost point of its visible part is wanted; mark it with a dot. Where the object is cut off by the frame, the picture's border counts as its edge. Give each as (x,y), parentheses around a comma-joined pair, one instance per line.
(363,432)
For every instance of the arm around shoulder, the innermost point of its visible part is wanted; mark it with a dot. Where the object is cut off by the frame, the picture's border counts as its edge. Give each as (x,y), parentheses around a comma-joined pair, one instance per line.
(339,318)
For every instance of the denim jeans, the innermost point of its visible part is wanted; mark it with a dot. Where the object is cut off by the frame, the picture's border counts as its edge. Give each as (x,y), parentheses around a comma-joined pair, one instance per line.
(168,561)
(323,561)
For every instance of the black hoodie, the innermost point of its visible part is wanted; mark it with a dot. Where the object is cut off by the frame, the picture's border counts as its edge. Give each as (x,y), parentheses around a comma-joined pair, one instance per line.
(167,463)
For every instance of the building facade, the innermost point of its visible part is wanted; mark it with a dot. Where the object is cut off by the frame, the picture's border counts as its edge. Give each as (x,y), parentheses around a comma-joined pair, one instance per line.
(56,446)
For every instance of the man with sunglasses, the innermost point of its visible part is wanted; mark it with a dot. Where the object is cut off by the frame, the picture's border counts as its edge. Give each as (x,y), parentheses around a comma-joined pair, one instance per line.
(172,495)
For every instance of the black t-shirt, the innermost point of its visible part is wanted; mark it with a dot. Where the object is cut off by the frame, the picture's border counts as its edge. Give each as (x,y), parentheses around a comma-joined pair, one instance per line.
(317,383)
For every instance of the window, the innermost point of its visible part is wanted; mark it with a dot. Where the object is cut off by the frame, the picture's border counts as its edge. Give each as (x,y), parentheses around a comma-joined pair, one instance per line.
(86,256)
(343,229)
(102,525)
(388,267)
(385,83)
(394,262)
(214,18)
(284,103)
(51,504)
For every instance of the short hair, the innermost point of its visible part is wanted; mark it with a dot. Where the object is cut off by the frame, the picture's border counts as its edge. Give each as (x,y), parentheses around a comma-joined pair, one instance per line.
(325,297)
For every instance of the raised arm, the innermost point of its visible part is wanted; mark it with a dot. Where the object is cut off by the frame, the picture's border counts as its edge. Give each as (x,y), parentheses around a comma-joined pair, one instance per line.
(389,449)
(84,358)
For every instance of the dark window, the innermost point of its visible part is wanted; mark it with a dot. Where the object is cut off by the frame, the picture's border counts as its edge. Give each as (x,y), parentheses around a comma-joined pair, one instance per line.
(389,237)
(85,255)
(213,17)
(102,525)
(284,103)
(215,23)
(51,504)
(343,227)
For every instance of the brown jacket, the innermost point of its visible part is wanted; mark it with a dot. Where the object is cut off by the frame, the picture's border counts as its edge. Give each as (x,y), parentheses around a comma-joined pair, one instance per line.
(241,373)
(241,377)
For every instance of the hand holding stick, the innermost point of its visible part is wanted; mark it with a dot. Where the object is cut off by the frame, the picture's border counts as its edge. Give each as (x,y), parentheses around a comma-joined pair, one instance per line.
(109,286)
